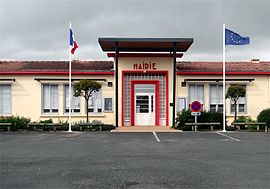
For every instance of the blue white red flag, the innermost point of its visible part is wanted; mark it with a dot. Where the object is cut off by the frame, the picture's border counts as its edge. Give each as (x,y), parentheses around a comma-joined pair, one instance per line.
(232,38)
(72,42)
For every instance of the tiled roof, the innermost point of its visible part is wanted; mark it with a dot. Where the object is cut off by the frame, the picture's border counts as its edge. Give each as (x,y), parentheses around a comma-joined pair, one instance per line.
(50,66)
(107,66)
(217,66)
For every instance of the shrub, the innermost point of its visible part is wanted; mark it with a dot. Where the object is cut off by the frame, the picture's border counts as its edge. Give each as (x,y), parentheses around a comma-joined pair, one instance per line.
(183,117)
(209,117)
(205,117)
(252,127)
(46,121)
(264,116)
(97,122)
(18,122)
(243,119)
(63,125)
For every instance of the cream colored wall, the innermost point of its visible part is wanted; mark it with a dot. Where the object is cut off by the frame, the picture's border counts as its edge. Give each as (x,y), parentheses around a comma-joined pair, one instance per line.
(26,93)
(257,92)
(162,64)
(26,98)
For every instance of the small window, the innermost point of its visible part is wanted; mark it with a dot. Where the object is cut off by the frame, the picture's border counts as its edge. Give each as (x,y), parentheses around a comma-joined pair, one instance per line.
(50,98)
(108,104)
(181,104)
(216,98)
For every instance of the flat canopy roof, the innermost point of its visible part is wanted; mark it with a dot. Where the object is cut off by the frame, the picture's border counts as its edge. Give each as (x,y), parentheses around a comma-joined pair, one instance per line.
(145,44)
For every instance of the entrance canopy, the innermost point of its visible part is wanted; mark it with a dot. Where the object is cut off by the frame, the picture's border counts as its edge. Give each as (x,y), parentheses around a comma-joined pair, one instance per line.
(164,46)
(145,44)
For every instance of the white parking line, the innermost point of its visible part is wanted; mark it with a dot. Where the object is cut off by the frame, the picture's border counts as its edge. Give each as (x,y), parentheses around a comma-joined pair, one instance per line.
(235,139)
(154,133)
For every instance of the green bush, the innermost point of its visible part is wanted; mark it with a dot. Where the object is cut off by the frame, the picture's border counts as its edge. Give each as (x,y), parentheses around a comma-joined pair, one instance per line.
(46,121)
(205,117)
(264,116)
(97,122)
(252,127)
(184,117)
(243,119)
(18,122)
(63,125)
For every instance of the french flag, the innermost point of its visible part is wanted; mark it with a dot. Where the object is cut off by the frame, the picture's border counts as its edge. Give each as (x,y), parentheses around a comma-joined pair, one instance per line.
(72,42)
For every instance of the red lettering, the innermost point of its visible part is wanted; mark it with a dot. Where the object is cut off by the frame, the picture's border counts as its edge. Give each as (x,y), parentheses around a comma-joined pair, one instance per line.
(154,66)
(145,66)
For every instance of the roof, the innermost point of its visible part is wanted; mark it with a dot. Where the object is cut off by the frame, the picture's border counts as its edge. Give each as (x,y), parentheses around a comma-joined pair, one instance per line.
(106,67)
(145,44)
(55,66)
(218,66)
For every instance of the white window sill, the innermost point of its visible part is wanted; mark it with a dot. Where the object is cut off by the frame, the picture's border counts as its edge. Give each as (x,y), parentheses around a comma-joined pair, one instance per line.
(7,115)
(238,114)
(109,111)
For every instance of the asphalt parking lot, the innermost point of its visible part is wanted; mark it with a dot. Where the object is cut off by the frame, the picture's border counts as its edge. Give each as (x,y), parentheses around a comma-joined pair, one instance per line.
(135,160)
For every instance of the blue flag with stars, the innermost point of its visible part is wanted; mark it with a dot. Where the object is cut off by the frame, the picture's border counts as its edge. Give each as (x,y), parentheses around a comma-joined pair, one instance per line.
(232,38)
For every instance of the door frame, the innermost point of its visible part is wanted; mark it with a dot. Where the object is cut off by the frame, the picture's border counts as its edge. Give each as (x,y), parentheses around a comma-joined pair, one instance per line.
(132,98)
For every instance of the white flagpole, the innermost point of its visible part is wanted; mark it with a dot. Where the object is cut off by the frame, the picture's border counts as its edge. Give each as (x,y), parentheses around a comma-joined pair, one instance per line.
(224,81)
(69,103)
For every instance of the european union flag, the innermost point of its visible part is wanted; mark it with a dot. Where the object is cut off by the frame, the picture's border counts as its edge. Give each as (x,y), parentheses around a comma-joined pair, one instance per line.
(232,38)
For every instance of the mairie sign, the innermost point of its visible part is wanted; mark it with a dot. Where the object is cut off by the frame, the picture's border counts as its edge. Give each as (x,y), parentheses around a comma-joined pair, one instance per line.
(196,106)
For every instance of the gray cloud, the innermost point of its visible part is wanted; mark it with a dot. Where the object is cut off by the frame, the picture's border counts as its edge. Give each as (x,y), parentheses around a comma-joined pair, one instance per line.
(38,30)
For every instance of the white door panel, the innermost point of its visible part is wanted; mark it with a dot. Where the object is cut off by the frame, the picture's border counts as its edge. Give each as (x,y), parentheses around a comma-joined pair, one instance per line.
(144,109)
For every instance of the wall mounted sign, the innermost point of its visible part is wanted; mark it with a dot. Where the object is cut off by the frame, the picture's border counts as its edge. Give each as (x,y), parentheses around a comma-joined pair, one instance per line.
(145,66)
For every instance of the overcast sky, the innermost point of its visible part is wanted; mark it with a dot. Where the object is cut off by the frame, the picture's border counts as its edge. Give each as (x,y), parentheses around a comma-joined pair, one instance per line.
(39,30)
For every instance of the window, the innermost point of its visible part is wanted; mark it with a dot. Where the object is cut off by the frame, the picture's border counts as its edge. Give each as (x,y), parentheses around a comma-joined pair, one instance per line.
(50,98)
(181,104)
(196,92)
(108,104)
(241,104)
(5,99)
(75,103)
(95,102)
(216,98)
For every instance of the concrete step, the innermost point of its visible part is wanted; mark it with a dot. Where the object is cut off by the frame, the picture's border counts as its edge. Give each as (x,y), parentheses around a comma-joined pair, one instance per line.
(143,129)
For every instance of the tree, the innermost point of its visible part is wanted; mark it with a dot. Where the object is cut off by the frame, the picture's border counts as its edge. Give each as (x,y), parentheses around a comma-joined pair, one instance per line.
(86,88)
(234,93)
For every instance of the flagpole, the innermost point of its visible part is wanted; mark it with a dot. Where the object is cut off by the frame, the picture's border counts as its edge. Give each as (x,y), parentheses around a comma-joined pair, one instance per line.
(224,84)
(69,103)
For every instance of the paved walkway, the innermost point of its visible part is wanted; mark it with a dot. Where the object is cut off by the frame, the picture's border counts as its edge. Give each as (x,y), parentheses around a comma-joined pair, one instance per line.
(130,129)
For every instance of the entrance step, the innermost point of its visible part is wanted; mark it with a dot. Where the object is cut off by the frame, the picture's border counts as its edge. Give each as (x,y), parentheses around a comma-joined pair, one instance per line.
(143,129)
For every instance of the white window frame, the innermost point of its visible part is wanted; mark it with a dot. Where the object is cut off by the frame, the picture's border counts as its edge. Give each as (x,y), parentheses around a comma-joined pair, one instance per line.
(196,84)
(104,109)
(42,100)
(72,105)
(183,100)
(218,103)
(94,107)
(3,100)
